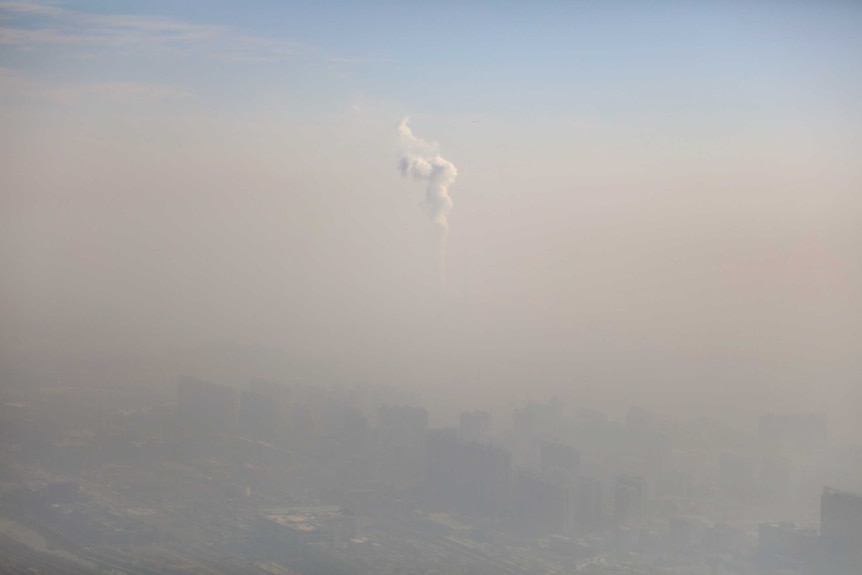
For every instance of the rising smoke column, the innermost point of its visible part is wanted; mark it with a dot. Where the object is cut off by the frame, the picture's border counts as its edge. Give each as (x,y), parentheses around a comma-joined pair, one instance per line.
(420,160)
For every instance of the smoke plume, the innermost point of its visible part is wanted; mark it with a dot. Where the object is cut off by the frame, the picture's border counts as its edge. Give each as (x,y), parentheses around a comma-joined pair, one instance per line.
(421,161)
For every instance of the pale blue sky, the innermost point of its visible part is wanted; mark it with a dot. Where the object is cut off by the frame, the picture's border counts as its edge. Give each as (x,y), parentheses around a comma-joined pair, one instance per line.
(503,59)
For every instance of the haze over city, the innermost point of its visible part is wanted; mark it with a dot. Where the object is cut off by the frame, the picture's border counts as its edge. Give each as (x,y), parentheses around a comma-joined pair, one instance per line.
(480,206)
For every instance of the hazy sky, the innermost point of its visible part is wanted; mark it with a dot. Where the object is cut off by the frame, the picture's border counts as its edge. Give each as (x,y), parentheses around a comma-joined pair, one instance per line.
(662,196)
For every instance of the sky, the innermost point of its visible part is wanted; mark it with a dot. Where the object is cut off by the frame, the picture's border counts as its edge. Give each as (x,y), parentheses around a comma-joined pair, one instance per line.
(658,202)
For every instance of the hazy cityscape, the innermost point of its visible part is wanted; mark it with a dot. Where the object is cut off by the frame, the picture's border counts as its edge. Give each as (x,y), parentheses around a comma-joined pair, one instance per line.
(269,477)
(438,288)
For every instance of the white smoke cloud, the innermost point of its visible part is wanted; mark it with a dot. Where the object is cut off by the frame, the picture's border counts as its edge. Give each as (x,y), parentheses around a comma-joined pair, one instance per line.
(420,160)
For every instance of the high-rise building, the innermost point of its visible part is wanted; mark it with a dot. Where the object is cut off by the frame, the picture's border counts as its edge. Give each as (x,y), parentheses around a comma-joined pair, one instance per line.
(797,430)
(736,474)
(534,419)
(475,426)
(542,505)
(402,425)
(472,477)
(786,544)
(559,461)
(776,474)
(589,505)
(630,495)
(401,432)
(841,527)
(260,418)
(346,423)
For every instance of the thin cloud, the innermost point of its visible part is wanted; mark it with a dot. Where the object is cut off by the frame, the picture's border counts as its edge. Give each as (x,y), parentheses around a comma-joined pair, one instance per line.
(355,59)
(31,8)
(29,38)
(27,25)
(123,91)
(18,84)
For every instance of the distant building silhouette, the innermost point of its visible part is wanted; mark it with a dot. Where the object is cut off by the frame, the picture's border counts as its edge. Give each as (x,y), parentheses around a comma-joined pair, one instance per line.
(542,505)
(207,408)
(630,495)
(475,426)
(639,419)
(536,418)
(785,544)
(559,461)
(797,430)
(589,505)
(261,416)
(346,423)
(401,432)
(736,474)
(841,526)
(471,477)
